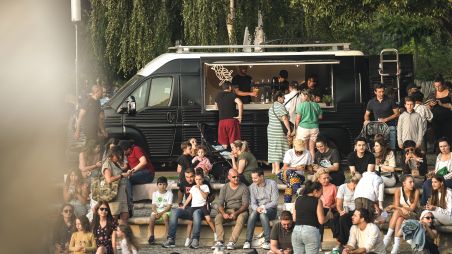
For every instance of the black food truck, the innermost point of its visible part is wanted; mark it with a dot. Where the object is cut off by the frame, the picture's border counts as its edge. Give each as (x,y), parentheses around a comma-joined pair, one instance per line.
(176,91)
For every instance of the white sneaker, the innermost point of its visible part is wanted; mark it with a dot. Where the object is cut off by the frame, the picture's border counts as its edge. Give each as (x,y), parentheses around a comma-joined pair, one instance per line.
(217,244)
(230,246)
(266,246)
(247,245)
(187,242)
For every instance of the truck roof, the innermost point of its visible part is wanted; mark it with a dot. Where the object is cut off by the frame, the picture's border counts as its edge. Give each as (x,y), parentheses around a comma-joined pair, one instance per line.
(167,57)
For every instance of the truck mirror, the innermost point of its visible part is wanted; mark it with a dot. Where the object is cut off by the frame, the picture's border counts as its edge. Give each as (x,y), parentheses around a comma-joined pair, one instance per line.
(128,107)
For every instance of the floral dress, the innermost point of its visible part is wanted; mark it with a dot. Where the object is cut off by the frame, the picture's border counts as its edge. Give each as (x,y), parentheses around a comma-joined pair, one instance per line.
(103,236)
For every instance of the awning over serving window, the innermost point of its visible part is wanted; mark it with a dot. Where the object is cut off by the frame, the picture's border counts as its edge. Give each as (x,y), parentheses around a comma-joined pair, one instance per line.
(270,62)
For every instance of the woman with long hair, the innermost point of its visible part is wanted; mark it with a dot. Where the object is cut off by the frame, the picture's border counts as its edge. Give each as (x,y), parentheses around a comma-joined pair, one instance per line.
(307,120)
(76,192)
(90,159)
(440,102)
(104,226)
(308,216)
(82,241)
(243,161)
(112,142)
(440,203)
(64,228)
(277,141)
(112,173)
(443,167)
(406,200)
(384,161)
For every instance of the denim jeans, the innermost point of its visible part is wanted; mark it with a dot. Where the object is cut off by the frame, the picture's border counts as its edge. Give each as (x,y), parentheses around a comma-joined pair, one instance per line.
(265,221)
(185,214)
(139,177)
(305,239)
(392,137)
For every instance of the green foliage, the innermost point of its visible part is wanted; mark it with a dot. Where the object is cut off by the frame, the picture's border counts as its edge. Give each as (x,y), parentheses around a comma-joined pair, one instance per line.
(126,34)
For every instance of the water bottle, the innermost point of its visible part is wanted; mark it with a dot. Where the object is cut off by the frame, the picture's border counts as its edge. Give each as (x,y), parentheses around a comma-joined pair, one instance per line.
(263,97)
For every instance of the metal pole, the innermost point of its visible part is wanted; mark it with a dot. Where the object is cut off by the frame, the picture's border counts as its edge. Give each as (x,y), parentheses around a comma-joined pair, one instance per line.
(76,66)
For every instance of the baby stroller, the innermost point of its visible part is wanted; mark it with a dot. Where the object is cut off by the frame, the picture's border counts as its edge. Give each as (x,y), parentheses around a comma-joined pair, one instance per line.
(373,128)
(218,156)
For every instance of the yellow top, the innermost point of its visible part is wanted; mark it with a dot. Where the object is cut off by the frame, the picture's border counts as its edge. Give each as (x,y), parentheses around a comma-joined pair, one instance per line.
(82,239)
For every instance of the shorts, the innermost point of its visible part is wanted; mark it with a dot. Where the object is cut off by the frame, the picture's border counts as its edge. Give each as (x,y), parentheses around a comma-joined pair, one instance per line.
(228,131)
(204,210)
(310,134)
(161,218)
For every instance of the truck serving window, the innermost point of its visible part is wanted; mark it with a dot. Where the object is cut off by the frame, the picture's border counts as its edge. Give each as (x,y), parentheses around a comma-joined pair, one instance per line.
(264,78)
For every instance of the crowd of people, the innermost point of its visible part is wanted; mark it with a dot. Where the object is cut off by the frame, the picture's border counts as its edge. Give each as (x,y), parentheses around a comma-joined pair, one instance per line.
(301,158)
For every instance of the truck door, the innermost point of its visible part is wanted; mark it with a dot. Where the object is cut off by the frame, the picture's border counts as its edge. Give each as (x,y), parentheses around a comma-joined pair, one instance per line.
(156,117)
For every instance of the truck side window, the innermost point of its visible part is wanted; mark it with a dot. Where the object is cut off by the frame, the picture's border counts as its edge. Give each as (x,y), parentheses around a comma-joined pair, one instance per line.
(140,95)
(160,92)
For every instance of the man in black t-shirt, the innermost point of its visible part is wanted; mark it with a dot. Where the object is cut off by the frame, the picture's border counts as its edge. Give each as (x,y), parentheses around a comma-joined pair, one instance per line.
(229,124)
(184,160)
(312,84)
(384,110)
(91,116)
(283,83)
(329,159)
(242,85)
(361,160)
(281,235)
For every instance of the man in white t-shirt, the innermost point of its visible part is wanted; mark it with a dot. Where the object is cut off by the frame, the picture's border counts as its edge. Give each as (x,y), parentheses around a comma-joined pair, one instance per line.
(162,201)
(369,192)
(365,236)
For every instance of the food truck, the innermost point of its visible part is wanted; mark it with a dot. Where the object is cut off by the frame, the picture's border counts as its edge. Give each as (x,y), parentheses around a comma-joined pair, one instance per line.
(176,91)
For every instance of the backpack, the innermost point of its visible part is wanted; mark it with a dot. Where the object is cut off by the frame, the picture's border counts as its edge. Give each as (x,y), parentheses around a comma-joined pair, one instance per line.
(103,191)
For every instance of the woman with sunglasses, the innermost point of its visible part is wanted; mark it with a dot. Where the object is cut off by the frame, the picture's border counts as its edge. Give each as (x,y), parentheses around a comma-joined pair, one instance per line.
(104,226)
(431,234)
(414,162)
(443,167)
(64,228)
(440,202)
(406,200)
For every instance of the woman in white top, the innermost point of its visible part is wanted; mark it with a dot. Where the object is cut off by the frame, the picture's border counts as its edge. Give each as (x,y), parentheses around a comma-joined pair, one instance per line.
(443,167)
(345,204)
(406,200)
(440,203)
(384,161)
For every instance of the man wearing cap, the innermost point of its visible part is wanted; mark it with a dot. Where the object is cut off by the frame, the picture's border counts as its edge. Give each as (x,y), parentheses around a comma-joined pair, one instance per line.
(296,160)
(242,85)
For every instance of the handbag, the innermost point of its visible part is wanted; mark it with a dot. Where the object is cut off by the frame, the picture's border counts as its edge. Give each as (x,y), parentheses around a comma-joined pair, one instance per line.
(442,171)
(102,190)
(285,130)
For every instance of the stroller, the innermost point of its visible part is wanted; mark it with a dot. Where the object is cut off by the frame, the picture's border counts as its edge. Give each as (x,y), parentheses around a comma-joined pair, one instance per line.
(218,156)
(374,128)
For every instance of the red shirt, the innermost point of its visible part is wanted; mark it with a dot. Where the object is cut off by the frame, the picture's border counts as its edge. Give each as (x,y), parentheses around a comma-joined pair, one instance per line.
(134,159)
(329,195)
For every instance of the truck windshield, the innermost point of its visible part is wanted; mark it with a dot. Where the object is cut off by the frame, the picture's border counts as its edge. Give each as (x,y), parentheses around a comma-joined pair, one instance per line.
(114,102)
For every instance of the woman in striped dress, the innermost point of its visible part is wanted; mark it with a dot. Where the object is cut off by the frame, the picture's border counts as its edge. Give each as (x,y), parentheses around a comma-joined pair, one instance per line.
(277,140)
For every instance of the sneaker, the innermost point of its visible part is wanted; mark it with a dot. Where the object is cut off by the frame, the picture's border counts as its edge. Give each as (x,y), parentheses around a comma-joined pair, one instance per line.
(194,244)
(230,246)
(169,243)
(266,246)
(386,241)
(218,245)
(187,242)
(247,245)
(151,240)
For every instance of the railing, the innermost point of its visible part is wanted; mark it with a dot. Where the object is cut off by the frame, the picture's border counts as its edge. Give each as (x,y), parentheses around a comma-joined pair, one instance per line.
(326,46)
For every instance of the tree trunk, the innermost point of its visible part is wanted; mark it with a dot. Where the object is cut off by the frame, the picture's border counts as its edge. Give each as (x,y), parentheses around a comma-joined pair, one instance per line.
(230,23)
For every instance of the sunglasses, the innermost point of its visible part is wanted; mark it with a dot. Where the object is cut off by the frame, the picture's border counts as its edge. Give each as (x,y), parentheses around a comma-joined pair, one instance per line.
(234,177)
(103,209)
(409,150)
(67,211)
(428,218)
